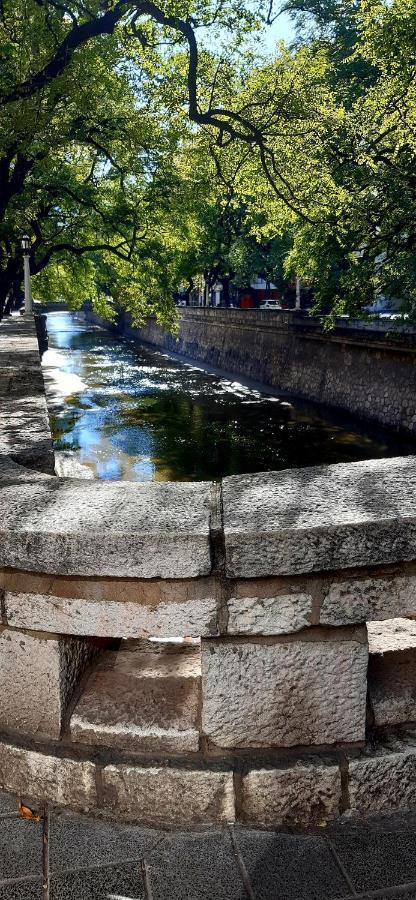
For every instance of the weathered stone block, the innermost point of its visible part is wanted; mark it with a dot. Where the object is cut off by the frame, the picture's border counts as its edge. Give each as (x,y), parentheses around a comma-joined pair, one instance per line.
(392,671)
(383,781)
(287,692)
(37,678)
(269,607)
(166,796)
(354,601)
(320,518)
(166,610)
(301,795)
(59,780)
(144,697)
(65,526)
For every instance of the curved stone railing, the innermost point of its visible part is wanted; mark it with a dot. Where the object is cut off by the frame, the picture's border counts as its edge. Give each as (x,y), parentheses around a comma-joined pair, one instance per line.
(272,711)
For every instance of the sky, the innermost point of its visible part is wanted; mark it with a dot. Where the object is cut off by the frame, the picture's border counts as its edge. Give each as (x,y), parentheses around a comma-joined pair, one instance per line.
(282,29)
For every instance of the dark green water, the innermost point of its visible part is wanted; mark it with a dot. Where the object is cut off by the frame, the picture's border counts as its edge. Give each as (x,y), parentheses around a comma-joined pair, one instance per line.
(134,414)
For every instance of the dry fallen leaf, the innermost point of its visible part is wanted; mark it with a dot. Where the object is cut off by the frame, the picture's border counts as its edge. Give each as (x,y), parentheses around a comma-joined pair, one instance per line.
(26,813)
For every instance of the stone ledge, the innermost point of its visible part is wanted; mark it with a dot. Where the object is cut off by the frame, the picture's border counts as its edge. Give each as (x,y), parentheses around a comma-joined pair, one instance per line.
(192,614)
(320,518)
(132,608)
(25,433)
(384,779)
(167,796)
(300,795)
(65,526)
(65,782)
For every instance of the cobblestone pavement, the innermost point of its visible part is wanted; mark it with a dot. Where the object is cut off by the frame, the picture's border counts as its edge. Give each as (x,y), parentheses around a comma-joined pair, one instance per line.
(91,859)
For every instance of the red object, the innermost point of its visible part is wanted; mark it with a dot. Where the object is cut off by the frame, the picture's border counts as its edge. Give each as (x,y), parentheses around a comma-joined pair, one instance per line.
(246,302)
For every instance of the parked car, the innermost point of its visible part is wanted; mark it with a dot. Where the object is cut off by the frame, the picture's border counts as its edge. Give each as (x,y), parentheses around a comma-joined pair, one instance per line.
(270,304)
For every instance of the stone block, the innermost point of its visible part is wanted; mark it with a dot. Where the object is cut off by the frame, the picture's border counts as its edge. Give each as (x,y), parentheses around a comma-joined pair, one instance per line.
(25,431)
(144,697)
(320,518)
(166,796)
(383,781)
(127,610)
(268,607)
(365,600)
(38,674)
(392,671)
(301,795)
(62,781)
(285,692)
(89,528)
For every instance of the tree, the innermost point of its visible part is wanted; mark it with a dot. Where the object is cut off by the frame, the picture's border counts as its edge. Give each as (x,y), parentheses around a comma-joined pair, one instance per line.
(335,172)
(80,147)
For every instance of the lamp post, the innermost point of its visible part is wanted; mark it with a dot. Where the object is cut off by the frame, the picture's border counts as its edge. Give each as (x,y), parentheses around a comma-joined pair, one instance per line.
(298,303)
(26,269)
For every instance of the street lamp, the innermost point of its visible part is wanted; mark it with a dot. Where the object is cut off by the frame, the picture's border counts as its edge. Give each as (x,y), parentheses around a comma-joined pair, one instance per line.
(26,269)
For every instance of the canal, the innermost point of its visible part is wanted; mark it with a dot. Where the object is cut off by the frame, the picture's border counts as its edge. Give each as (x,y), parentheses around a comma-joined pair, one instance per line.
(130,413)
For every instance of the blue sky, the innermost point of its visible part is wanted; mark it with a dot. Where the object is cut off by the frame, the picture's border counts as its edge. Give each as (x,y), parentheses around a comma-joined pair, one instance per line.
(282,29)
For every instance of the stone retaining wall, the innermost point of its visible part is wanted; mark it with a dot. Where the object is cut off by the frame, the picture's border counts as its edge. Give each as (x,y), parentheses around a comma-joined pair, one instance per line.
(289,711)
(366,371)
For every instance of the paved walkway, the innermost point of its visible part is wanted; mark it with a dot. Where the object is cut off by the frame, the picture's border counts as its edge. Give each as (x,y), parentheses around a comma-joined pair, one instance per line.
(95,860)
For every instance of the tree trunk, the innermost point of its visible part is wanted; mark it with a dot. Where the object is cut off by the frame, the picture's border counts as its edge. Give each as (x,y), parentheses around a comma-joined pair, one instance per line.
(10,281)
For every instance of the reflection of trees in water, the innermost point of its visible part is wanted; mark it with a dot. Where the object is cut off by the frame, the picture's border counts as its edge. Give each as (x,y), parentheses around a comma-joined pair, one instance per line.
(209,438)
(145,415)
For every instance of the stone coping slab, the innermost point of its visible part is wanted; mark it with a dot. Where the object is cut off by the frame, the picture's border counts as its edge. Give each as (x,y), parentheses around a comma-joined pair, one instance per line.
(25,433)
(320,518)
(66,526)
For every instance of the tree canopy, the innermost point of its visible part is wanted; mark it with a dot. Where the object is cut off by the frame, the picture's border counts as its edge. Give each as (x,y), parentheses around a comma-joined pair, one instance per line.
(145,145)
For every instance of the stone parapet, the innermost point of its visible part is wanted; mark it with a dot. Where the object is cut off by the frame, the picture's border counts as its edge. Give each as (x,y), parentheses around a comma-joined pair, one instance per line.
(194,653)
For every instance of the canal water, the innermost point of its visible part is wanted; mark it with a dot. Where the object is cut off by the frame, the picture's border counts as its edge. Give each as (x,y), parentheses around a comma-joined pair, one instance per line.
(130,413)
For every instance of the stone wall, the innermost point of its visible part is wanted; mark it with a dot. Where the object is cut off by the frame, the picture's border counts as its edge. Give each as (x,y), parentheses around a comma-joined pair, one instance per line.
(363,370)
(282,695)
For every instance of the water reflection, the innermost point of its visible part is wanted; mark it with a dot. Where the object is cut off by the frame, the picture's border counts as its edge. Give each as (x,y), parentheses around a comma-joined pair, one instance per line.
(133,414)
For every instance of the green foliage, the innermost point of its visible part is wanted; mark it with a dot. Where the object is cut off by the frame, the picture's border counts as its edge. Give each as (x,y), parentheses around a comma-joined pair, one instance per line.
(137,164)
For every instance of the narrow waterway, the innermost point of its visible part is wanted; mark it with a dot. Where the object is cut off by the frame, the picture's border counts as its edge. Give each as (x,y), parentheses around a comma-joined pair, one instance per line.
(130,413)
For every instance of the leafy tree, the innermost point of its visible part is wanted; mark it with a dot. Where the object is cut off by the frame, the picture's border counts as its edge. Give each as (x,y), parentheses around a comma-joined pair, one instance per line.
(84,148)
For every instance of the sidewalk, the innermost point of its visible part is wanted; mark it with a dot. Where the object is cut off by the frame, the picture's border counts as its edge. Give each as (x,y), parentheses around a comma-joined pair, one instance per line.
(97,860)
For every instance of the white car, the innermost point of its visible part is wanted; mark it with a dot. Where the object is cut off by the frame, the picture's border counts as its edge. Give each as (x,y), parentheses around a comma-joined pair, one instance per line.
(270,304)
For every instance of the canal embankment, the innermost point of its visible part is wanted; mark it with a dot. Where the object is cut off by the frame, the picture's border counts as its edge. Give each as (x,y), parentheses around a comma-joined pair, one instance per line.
(292,706)
(367,370)
(127,410)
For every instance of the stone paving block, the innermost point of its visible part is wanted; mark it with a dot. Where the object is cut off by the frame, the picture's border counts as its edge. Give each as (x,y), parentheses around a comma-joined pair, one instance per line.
(24,892)
(20,848)
(145,696)
(383,781)
(301,795)
(25,431)
(285,693)
(113,883)
(365,600)
(376,860)
(159,796)
(197,866)
(8,803)
(38,676)
(77,841)
(320,518)
(81,527)
(392,671)
(63,781)
(291,867)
